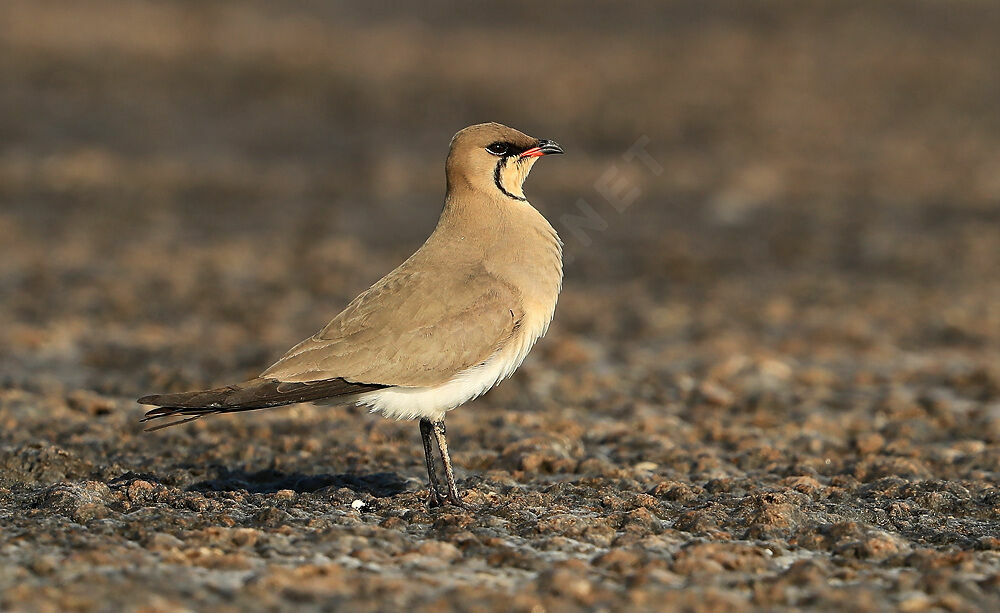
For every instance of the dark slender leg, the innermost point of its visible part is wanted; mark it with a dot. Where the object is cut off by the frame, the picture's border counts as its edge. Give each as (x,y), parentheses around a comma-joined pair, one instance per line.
(426,431)
(442,443)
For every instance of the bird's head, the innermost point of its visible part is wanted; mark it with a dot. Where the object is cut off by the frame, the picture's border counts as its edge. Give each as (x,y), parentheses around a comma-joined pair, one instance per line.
(493,158)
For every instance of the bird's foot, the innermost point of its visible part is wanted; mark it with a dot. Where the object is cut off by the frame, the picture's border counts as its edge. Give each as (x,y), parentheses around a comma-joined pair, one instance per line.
(436,500)
(456,501)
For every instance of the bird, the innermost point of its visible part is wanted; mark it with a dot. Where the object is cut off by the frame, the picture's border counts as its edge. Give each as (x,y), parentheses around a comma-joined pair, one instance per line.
(448,324)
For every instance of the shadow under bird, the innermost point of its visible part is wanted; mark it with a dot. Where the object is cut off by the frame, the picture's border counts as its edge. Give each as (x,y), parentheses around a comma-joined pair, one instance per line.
(448,324)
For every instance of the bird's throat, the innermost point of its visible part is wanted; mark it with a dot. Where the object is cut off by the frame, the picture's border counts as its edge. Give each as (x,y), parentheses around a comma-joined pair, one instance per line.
(509,176)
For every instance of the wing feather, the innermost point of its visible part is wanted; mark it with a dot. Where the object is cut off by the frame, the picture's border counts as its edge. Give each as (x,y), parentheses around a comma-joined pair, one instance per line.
(412,329)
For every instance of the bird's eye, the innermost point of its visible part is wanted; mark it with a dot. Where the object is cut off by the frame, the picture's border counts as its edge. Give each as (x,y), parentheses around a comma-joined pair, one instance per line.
(498,148)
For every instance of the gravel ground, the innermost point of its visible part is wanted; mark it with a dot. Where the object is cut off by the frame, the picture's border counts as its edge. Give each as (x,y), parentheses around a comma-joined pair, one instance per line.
(773,380)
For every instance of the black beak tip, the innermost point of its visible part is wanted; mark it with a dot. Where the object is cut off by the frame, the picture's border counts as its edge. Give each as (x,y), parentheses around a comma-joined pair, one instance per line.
(550,147)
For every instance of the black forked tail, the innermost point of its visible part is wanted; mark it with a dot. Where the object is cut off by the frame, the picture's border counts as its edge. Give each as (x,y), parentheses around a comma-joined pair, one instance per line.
(254,394)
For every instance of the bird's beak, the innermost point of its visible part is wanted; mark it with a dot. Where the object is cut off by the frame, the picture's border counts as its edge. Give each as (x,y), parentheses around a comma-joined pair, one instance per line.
(544,147)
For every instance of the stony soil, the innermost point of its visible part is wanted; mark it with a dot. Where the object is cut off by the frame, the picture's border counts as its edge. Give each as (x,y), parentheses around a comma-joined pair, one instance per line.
(773,381)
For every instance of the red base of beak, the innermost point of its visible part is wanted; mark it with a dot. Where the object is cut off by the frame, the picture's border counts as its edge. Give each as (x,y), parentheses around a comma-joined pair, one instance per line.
(534,152)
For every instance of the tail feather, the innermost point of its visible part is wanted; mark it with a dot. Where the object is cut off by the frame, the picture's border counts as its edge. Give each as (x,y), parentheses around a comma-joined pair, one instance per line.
(257,393)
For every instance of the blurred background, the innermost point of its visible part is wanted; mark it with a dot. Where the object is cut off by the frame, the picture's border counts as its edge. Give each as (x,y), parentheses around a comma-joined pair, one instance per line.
(793,290)
(232,172)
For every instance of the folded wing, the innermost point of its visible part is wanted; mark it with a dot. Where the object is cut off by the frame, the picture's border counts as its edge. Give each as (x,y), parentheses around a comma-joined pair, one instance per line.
(411,329)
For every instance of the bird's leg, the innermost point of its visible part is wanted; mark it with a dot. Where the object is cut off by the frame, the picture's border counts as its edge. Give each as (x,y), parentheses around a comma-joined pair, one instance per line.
(426,431)
(452,497)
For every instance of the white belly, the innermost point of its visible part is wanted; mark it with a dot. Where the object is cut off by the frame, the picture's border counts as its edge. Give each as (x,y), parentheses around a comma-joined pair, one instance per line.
(433,402)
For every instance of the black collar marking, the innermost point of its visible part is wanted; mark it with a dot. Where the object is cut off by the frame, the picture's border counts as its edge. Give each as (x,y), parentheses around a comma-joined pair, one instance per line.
(496,179)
